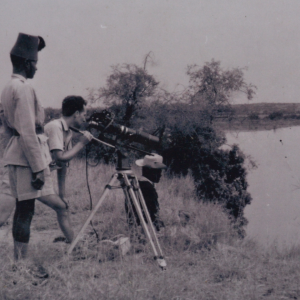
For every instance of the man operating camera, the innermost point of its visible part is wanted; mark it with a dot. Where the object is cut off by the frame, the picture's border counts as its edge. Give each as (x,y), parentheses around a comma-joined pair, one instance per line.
(60,138)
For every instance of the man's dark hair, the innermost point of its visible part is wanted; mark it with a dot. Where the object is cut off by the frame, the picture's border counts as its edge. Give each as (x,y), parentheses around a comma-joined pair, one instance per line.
(17,61)
(71,104)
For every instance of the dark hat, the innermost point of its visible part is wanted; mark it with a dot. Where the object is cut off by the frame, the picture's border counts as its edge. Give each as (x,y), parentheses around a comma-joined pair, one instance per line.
(27,46)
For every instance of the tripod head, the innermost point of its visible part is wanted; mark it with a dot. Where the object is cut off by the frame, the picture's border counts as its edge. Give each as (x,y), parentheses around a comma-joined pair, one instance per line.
(122,161)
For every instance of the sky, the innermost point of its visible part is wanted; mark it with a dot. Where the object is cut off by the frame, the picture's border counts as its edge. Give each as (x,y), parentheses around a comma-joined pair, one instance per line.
(85,38)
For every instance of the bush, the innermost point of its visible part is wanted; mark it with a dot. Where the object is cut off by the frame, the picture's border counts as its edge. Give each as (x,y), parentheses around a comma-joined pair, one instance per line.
(253,116)
(190,144)
(184,124)
(51,114)
(219,175)
(276,115)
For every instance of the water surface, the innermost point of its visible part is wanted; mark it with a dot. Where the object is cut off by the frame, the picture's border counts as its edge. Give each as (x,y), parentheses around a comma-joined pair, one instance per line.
(274,213)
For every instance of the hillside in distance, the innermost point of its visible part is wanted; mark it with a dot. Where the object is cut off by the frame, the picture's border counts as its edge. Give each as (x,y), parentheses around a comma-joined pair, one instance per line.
(267,108)
(259,116)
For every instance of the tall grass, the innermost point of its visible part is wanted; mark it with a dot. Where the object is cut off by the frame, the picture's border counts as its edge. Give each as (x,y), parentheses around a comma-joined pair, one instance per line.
(205,258)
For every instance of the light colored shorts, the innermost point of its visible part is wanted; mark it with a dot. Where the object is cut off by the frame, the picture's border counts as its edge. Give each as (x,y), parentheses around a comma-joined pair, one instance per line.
(20,183)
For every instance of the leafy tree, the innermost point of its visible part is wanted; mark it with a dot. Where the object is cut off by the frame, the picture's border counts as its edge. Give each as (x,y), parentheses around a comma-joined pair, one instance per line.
(211,87)
(52,113)
(127,89)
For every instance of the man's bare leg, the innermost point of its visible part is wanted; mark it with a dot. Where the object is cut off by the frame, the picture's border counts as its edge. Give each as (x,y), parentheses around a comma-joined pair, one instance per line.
(63,218)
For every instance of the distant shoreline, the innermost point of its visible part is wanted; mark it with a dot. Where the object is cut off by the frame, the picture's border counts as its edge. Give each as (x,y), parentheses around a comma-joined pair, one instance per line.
(256,125)
(259,116)
(242,117)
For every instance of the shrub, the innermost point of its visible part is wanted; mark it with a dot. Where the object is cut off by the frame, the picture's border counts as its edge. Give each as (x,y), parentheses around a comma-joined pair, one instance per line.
(276,115)
(219,175)
(190,144)
(51,114)
(253,116)
(184,124)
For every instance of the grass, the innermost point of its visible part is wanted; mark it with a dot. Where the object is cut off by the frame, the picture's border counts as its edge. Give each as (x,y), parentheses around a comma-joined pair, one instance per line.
(205,258)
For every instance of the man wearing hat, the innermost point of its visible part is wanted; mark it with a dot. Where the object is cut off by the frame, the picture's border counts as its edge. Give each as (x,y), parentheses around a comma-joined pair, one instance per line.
(151,172)
(27,154)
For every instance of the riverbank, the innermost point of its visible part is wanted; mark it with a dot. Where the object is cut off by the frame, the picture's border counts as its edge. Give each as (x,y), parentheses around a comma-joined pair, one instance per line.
(205,259)
(241,270)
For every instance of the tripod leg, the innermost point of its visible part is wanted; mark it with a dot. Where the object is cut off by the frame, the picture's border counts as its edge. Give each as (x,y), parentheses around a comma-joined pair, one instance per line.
(131,214)
(106,190)
(142,201)
(160,259)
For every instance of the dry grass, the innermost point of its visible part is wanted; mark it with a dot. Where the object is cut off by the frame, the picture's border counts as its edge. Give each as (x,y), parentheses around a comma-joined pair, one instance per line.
(205,259)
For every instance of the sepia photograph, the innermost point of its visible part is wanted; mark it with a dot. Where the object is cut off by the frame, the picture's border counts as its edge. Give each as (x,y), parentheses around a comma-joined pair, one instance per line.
(160,146)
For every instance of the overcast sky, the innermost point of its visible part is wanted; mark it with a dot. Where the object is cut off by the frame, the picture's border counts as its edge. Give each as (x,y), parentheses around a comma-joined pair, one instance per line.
(84,38)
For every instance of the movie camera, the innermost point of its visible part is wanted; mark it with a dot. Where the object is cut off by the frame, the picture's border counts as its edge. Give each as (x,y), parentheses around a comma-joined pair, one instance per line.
(104,123)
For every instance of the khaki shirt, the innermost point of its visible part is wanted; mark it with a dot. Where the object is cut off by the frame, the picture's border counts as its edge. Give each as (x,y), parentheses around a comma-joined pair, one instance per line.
(23,112)
(59,136)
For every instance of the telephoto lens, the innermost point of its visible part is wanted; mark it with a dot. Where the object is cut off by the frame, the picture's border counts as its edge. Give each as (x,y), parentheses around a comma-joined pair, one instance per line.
(104,122)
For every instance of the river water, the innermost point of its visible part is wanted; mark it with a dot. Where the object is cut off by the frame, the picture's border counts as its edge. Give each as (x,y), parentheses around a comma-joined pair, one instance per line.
(274,214)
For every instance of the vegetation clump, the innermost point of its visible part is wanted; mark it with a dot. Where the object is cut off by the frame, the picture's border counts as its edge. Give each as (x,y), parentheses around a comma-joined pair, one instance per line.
(184,123)
(276,115)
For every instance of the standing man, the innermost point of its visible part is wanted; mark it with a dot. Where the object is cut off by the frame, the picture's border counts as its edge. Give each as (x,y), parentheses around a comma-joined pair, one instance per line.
(60,137)
(27,154)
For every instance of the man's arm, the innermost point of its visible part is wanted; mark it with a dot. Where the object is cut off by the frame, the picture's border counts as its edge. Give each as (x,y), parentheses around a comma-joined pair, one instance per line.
(65,156)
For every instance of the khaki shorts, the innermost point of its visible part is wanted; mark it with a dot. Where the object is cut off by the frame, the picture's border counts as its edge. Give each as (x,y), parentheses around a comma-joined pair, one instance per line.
(20,183)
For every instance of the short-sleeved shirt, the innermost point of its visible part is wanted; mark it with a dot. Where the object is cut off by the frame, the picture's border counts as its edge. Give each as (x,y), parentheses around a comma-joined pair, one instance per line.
(59,136)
